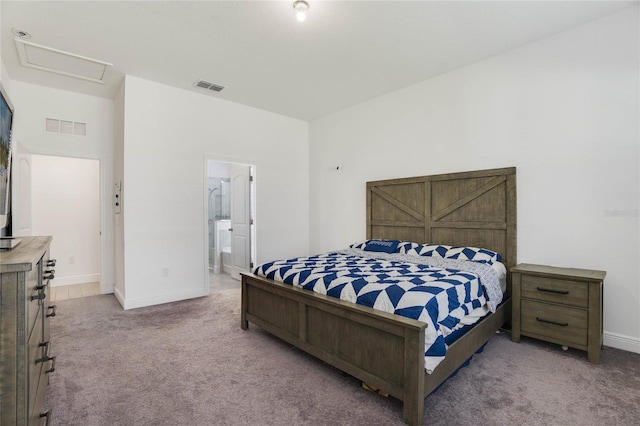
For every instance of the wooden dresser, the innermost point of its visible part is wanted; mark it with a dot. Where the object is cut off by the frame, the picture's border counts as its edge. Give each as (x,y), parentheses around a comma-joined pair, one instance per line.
(559,305)
(25,349)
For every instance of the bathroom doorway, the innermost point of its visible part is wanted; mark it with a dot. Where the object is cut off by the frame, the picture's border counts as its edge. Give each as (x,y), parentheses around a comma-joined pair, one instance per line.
(230,201)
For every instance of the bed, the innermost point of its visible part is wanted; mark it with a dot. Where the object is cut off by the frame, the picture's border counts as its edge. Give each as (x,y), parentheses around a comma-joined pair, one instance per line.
(384,350)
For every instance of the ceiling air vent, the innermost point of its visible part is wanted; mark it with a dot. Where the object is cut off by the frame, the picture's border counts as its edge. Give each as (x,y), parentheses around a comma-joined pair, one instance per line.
(208,85)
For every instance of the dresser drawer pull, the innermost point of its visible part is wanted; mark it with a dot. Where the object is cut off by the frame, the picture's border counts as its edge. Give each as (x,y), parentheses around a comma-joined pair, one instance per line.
(39,296)
(44,358)
(562,324)
(48,276)
(42,286)
(51,262)
(47,416)
(48,358)
(46,346)
(53,309)
(53,365)
(550,290)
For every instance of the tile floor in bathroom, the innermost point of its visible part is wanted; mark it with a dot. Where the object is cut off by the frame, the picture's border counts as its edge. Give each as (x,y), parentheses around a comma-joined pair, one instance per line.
(222,281)
(74,291)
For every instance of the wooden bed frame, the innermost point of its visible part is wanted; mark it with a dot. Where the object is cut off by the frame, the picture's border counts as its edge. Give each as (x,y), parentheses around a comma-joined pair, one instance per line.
(386,351)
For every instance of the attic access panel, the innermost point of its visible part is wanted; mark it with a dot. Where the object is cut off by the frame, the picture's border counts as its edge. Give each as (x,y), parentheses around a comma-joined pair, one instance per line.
(57,61)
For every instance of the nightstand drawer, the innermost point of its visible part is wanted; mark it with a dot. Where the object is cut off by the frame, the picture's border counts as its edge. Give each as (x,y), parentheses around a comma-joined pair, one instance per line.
(555,290)
(558,323)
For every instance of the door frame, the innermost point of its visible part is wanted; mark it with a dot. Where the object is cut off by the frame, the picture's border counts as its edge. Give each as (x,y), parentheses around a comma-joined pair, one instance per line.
(205,194)
(104,287)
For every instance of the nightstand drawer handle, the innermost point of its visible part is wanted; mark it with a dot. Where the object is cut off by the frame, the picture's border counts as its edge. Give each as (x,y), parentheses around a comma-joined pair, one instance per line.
(562,324)
(550,290)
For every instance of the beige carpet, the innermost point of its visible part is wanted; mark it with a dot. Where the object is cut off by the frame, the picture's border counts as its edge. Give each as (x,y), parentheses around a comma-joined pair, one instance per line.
(189,363)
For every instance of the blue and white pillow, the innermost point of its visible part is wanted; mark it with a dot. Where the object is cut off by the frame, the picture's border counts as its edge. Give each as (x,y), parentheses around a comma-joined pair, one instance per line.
(406,246)
(473,254)
(358,246)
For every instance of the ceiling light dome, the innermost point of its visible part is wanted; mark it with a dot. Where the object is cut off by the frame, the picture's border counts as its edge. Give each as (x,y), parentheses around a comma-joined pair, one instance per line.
(301,7)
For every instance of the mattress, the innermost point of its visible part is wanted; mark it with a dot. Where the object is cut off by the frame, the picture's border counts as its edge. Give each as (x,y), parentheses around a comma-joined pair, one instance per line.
(446,294)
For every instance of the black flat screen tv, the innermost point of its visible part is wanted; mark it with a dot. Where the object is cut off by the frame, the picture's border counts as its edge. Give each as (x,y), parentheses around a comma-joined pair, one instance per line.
(6,122)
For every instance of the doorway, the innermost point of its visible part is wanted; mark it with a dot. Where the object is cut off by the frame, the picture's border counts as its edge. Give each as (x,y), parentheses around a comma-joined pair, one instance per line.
(65,203)
(230,200)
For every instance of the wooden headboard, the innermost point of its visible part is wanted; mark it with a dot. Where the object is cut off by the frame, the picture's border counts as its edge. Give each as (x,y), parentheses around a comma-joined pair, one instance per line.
(475,208)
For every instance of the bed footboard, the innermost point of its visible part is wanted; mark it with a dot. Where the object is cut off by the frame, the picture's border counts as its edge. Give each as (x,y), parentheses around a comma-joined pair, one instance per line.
(466,346)
(383,350)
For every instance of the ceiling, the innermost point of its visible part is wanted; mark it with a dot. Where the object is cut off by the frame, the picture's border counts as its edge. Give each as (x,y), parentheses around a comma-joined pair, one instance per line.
(345,53)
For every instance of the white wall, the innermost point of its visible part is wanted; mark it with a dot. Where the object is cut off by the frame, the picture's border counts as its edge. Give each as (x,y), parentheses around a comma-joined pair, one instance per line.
(33,104)
(4,77)
(563,110)
(65,203)
(118,173)
(168,133)
(3,71)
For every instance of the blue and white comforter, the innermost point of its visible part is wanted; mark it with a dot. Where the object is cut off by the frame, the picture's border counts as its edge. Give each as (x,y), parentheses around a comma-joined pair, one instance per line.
(439,292)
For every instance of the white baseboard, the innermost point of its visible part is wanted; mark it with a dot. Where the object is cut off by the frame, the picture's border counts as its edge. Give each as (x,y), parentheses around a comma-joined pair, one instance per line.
(158,300)
(77,279)
(106,288)
(118,296)
(619,341)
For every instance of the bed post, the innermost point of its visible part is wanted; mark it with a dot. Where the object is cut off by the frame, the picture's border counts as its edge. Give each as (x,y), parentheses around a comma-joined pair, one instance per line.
(413,400)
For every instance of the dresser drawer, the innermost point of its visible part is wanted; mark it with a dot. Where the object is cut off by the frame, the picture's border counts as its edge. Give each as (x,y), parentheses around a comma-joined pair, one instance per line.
(556,323)
(574,293)
(33,305)
(38,416)
(34,368)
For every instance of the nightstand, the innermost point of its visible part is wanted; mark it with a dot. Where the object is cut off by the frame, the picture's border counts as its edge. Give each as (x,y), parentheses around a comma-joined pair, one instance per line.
(558,305)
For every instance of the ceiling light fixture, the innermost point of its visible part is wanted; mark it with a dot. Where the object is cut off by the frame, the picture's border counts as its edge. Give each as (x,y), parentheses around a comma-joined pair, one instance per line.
(21,33)
(301,7)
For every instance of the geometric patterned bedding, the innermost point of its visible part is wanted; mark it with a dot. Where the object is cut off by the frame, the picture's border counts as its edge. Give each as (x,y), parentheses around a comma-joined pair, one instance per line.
(442,296)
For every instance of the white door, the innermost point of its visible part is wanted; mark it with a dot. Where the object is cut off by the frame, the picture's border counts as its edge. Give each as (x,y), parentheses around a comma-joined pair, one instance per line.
(240,219)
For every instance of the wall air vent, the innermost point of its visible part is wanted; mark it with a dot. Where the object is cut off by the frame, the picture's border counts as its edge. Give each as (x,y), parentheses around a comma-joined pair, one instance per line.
(53,125)
(208,85)
(47,59)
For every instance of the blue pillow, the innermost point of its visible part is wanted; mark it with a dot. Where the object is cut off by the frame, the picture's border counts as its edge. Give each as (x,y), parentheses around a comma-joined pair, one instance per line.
(402,247)
(382,246)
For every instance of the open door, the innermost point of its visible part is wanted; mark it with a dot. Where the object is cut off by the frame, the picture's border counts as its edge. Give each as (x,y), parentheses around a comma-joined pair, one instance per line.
(240,219)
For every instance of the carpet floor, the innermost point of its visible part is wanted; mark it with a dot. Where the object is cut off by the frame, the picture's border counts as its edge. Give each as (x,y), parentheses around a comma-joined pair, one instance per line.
(189,363)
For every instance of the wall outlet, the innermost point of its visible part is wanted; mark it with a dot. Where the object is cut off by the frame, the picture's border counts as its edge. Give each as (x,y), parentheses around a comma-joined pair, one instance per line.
(165,272)
(72,260)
